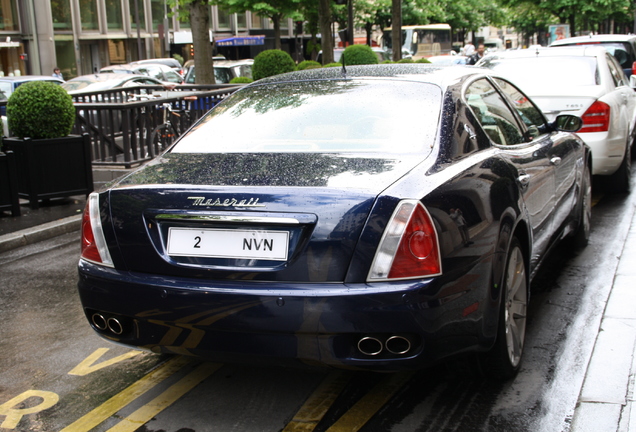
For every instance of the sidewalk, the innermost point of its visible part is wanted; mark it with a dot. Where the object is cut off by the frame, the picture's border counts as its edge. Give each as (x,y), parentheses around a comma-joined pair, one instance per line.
(58,216)
(606,400)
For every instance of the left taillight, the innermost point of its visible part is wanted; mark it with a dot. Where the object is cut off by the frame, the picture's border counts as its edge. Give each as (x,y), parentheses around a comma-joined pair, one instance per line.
(596,118)
(94,247)
(409,247)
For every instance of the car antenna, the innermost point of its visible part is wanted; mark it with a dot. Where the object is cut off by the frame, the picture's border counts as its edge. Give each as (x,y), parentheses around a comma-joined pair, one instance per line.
(344,69)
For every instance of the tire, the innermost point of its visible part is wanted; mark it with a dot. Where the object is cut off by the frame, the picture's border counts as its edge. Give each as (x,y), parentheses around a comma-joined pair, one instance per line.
(620,181)
(162,137)
(503,361)
(582,233)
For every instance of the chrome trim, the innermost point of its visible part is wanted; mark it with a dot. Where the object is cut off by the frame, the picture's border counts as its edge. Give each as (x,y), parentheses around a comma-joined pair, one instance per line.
(235,219)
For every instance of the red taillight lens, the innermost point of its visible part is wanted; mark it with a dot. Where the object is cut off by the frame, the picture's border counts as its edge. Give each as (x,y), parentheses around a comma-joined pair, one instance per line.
(93,242)
(409,247)
(634,68)
(596,118)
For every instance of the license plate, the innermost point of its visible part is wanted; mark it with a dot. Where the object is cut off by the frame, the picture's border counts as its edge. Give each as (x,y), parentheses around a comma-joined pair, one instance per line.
(226,243)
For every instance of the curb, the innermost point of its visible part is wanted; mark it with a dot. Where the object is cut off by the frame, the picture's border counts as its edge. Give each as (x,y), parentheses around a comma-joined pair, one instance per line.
(41,232)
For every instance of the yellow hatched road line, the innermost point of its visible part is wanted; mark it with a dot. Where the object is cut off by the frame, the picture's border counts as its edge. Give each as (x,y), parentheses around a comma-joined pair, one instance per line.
(371,403)
(165,399)
(315,408)
(120,400)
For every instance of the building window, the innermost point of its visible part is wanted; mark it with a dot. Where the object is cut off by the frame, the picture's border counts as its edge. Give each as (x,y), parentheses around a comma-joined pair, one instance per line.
(157,9)
(61,11)
(223,17)
(88,13)
(65,52)
(133,14)
(114,15)
(257,21)
(8,16)
(241,21)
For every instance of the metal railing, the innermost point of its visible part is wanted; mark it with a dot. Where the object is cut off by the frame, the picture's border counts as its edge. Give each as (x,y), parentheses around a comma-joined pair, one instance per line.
(120,122)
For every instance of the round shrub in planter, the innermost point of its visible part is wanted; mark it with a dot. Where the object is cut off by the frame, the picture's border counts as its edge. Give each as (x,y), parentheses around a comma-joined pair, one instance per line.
(308,64)
(272,62)
(359,55)
(39,110)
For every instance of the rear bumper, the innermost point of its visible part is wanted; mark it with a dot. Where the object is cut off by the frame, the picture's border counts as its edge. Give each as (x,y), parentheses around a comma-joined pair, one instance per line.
(260,321)
(607,152)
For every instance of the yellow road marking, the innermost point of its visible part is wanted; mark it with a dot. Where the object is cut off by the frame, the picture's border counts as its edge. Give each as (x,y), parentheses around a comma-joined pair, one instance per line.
(120,400)
(88,364)
(165,399)
(314,409)
(370,404)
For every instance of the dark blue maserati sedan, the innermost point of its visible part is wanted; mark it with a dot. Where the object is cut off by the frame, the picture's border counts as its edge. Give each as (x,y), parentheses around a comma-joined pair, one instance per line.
(382,217)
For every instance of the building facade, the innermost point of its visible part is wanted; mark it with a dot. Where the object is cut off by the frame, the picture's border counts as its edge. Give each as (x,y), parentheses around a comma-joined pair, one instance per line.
(81,36)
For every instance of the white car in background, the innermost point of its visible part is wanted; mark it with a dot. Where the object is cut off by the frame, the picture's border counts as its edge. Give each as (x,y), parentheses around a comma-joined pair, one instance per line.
(585,81)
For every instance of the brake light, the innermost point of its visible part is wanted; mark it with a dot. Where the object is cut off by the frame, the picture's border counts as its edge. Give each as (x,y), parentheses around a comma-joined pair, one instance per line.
(634,68)
(94,247)
(596,118)
(409,247)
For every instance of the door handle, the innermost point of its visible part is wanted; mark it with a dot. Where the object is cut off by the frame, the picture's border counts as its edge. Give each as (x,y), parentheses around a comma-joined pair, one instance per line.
(555,161)
(524,179)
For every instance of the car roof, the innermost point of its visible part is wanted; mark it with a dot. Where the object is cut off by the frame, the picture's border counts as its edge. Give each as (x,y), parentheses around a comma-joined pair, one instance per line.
(415,72)
(30,78)
(576,50)
(595,38)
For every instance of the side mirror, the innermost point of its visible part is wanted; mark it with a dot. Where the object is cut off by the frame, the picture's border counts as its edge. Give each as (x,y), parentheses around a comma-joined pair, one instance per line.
(567,123)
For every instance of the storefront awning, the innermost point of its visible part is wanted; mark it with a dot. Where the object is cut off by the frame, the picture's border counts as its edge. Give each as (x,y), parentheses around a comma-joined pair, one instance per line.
(241,41)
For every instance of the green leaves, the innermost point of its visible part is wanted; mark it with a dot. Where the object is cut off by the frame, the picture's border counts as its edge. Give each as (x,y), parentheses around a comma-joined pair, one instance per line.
(39,109)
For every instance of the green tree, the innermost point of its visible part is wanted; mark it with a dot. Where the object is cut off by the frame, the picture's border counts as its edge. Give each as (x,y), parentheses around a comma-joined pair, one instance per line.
(275,10)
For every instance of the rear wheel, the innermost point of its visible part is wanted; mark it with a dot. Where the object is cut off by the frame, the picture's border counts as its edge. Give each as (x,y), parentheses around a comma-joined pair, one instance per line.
(620,181)
(582,234)
(162,137)
(504,359)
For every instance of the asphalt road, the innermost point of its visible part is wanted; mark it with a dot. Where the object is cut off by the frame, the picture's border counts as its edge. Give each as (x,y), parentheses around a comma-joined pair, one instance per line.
(57,375)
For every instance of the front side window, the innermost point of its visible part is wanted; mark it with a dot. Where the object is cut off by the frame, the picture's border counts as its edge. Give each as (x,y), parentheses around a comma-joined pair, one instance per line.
(493,114)
(321,116)
(529,113)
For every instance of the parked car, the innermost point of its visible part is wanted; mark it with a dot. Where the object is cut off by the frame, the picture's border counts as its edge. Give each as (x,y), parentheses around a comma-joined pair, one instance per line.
(170,62)
(448,60)
(382,54)
(107,81)
(300,219)
(623,47)
(585,81)
(224,70)
(159,71)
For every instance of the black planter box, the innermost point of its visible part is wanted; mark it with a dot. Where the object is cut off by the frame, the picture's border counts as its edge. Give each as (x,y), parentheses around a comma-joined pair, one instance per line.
(9,184)
(52,168)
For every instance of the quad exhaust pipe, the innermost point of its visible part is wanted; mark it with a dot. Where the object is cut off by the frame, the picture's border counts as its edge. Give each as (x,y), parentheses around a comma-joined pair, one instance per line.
(107,324)
(395,344)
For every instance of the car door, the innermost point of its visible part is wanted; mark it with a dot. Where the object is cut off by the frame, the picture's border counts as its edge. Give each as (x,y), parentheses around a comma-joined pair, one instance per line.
(530,156)
(562,152)
(627,95)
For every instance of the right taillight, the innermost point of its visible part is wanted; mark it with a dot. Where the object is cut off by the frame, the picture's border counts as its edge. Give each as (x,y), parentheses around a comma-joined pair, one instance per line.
(596,118)
(634,68)
(94,247)
(409,247)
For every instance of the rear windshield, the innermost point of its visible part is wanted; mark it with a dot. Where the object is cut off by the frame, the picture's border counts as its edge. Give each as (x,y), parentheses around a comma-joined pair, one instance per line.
(557,71)
(321,116)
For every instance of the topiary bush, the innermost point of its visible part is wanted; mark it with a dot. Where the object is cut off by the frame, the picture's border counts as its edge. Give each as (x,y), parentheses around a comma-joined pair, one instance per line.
(308,64)
(39,109)
(423,60)
(241,80)
(359,55)
(334,64)
(272,62)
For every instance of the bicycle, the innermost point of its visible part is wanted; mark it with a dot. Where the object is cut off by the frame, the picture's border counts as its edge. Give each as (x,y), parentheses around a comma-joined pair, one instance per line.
(168,131)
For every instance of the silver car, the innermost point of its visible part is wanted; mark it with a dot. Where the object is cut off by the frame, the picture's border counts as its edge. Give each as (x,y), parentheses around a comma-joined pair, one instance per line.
(585,81)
